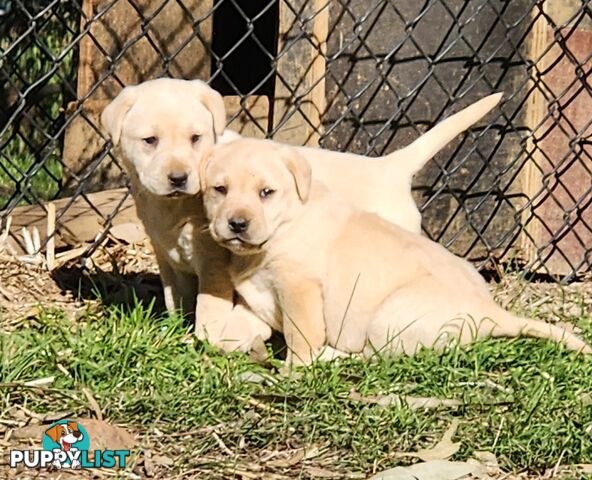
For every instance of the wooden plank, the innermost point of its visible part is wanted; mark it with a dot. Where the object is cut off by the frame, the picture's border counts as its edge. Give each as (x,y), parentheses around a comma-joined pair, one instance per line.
(76,223)
(126,43)
(557,180)
(299,100)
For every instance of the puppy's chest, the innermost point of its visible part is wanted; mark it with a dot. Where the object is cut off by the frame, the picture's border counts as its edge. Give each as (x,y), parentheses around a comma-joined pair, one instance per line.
(257,290)
(180,246)
(174,227)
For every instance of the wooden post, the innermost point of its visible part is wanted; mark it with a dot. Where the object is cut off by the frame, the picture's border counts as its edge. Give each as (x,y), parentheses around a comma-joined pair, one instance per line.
(299,101)
(556,178)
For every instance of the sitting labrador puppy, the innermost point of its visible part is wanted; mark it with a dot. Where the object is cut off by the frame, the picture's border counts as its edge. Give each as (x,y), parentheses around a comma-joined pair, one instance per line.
(325,272)
(165,126)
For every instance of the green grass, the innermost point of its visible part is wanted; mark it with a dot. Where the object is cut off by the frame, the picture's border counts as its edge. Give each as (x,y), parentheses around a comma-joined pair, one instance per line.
(524,400)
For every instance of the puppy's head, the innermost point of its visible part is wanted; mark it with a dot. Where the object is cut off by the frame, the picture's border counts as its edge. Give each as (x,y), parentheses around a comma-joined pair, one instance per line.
(165,127)
(251,188)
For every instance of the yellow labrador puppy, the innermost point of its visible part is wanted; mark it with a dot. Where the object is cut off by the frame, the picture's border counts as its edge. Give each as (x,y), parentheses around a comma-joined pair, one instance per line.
(165,126)
(325,272)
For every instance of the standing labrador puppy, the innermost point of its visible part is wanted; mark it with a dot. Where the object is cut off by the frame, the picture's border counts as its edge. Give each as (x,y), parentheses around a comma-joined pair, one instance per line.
(324,272)
(166,126)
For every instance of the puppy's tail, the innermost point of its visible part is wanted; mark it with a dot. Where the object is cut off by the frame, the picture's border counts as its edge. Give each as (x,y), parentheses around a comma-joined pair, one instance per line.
(414,156)
(508,325)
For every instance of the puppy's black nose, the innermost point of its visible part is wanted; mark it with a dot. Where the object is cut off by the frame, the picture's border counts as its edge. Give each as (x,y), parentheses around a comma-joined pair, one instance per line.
(178,179)
(238,225)
(77,434)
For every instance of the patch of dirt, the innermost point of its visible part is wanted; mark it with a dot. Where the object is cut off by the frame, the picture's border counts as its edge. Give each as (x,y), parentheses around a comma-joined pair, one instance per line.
(174,457)
(116,272)
(547,301)
(26,287)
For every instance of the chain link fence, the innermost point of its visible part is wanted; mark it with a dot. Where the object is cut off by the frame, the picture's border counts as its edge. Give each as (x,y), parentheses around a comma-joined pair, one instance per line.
(366,76)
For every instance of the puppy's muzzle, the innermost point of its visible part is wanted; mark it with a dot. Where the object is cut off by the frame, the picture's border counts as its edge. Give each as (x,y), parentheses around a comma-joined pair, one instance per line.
(178,180)
(238,224)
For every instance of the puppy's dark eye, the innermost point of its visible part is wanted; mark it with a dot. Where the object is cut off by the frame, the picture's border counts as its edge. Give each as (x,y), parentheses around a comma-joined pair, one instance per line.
(221,189)
(150,140)
(195,138)
(266,192)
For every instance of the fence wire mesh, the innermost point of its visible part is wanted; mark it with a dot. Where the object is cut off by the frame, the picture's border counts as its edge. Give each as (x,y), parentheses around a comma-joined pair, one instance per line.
(365,76)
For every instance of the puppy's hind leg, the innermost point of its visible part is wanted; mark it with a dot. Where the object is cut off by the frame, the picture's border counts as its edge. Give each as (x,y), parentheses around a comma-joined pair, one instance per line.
(407,321)
(505,324)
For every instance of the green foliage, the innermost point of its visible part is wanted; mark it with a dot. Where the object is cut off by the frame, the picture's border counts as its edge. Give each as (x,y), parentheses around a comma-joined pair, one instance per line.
(36,63)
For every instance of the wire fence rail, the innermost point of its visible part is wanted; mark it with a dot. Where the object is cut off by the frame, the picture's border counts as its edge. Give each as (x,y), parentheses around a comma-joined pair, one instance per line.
(366,76)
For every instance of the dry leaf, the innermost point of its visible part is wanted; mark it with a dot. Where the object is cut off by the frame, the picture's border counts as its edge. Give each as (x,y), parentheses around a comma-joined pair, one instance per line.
(292,460)
(316,472)
(148,463)
(431,470)
(30,432)
(254,377)
(426,403)
(26,414)
(487,459)
(296,457)
(414,403)
(585,398)
(443,450)
(163,460)
(40,382)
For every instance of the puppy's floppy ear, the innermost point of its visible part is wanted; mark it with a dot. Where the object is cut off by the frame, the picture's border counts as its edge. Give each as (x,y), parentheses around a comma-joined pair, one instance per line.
(214,102)
(203,165)
(299,167)
(54,433)
(114,113)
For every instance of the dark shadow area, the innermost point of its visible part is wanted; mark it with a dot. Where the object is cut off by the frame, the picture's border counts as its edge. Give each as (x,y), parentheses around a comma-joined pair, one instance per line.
(249,66)
(113,289)
(496,274)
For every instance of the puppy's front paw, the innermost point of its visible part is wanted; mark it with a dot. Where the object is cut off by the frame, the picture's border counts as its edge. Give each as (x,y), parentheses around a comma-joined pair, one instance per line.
(289,371)
(200,333)
(258,353)
(328,354)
